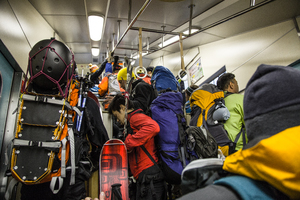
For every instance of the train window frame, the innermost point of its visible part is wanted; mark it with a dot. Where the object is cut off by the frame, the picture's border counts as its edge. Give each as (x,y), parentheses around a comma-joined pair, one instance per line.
(295,64)
(214,78)
(11,97)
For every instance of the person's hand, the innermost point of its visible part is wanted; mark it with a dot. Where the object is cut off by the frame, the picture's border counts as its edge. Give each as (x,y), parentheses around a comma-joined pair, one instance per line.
(102,197)
(108,99)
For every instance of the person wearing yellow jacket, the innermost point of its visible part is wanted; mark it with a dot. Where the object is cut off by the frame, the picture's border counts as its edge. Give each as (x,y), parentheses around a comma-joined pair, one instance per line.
(268,167)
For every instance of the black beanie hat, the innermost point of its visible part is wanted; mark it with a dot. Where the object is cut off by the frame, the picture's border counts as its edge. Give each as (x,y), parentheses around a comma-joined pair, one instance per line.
(149,69)
(271,88)
(189,90)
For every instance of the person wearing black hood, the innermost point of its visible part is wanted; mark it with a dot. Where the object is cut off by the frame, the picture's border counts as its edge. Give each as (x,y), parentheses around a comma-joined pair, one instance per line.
(142,94)
(149,70)
(268,166)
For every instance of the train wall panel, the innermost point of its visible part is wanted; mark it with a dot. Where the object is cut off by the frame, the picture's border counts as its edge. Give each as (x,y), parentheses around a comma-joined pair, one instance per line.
(275,45)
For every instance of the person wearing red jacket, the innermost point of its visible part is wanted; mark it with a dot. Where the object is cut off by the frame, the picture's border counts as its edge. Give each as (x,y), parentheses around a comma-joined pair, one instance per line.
(139,141)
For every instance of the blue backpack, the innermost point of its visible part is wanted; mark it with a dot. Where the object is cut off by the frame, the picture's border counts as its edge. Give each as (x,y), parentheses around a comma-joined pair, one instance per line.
(171,141)
(108,68)
(162,79)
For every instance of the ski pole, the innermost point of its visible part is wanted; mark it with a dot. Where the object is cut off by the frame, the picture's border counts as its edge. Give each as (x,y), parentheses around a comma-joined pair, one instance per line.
(85,94)
(127,91)
(79,104)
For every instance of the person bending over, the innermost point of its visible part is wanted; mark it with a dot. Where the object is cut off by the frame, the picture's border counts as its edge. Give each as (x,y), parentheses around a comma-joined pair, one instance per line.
(139,141)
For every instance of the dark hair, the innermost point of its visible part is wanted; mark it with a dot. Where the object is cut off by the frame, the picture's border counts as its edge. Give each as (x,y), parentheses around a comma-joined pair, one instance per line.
(149,69)
(116,67)
(191,89)
(224,80)
(116,102)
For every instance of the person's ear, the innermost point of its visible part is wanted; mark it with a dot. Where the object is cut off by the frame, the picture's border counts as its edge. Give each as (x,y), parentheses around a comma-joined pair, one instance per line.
(231,85)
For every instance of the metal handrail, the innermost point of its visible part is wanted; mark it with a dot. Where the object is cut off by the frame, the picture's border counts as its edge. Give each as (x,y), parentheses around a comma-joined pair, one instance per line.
(132,22)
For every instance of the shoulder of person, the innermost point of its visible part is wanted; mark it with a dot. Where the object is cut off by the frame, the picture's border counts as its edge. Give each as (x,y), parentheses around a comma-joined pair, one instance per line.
(233,95)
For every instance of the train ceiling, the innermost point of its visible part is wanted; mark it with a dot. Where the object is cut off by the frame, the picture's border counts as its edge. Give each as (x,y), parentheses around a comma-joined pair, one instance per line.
(213,19)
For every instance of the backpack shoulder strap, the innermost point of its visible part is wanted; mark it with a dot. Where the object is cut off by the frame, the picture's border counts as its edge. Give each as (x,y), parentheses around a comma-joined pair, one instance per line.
(135,112)
(227,94)
(242,131)
(183,154)
(149,155)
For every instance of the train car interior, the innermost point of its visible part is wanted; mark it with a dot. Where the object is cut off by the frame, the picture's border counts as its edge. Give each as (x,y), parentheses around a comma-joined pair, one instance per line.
(202,38)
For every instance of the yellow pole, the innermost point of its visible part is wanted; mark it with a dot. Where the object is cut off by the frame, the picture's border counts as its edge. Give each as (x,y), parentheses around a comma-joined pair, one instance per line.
(181,51)
(140,48)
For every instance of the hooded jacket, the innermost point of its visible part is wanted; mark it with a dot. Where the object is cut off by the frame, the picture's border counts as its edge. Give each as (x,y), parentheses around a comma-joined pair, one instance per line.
(271,114)
(142,95)
(271,160)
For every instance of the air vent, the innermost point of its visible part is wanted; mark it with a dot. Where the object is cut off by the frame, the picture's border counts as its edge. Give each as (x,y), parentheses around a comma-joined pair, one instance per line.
(95,60)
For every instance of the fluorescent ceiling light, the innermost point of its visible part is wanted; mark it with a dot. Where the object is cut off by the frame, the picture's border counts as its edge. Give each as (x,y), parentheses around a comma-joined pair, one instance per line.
(169,41)
(132,62)
(95,51)
(176,38)
(192,31)
(137,55)
(95,27)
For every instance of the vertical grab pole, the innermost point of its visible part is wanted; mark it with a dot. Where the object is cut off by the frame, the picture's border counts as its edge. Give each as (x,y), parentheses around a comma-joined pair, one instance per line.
(140,48)
(181,51)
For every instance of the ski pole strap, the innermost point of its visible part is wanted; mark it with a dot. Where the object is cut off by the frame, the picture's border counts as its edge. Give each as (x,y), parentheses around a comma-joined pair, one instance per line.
(53,183)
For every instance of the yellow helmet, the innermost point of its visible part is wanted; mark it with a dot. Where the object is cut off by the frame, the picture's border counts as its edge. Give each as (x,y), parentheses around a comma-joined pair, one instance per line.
(93,68)
(140,71)
(122,74)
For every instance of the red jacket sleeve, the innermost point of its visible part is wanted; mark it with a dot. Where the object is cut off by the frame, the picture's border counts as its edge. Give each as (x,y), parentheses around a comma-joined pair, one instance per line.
(144,128)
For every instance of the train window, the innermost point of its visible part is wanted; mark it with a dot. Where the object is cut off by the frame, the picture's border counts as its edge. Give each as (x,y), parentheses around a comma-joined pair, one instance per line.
(7,75)
(295,64)
(11,82)
(214,78)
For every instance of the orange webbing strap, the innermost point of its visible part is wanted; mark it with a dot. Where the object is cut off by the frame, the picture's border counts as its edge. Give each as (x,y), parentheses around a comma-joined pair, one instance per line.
(224,149)
(73,92)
